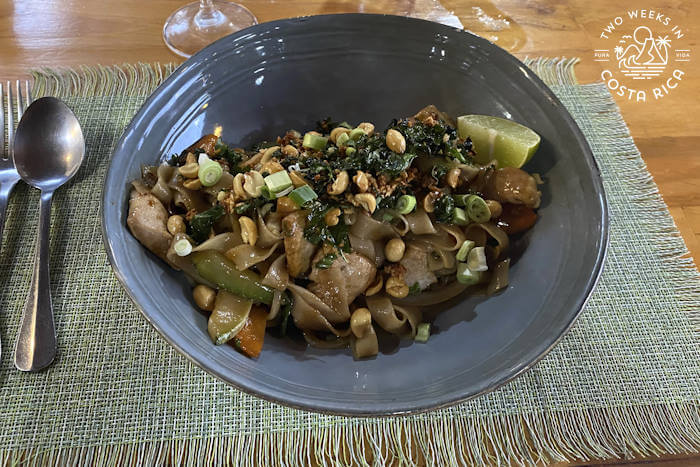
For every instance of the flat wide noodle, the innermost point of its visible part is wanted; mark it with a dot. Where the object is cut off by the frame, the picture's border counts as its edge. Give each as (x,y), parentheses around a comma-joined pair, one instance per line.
(184,263)
(277,276)
(499,277)
(432,297)
(481,231)
(321,343)
(447,237)
(399,320)
(161,190)
(245,256)
(443,261)
(365,346)
(221,243)
(419,223)
(367,227)
(269,230)
(308,312)
(224,183)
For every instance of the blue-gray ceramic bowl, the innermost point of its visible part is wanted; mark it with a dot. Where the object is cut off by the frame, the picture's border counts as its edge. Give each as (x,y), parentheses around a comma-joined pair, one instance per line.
(259,82)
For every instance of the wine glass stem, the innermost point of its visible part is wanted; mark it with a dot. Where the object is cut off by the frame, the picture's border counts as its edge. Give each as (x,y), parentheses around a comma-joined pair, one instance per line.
(208,15)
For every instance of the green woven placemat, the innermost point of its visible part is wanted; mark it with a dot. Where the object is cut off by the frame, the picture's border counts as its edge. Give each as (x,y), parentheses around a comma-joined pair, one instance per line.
(624,381)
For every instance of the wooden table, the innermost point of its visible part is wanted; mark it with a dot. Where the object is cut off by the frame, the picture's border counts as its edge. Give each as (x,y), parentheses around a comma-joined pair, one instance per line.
(35,33)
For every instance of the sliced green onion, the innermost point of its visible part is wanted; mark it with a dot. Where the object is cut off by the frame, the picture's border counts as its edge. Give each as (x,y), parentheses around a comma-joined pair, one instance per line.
(350,151)
(464,250)
(357,133)
(466,276)
(313,141)
(182,247)
(477,209)
(342,139)
(461,200)
(210,171)
(476,259)
(459,217)
(278,182)
(303,195)
(266,193)
(422,332)
(406,204)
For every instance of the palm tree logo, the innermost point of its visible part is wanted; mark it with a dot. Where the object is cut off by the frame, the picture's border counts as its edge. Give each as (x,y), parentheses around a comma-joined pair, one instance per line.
(646,57)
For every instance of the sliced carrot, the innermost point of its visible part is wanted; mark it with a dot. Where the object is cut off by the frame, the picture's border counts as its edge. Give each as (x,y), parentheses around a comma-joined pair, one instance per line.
(516,218)
(249,339)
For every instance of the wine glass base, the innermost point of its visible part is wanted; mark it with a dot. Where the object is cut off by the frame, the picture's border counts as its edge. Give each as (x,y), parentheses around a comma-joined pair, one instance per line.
(191,28)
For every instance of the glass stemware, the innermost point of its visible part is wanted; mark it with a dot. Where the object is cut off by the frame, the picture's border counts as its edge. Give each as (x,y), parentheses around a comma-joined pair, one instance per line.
(198,24)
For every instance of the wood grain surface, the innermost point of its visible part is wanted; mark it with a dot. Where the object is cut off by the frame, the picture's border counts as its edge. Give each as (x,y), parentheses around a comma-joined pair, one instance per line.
(37,33)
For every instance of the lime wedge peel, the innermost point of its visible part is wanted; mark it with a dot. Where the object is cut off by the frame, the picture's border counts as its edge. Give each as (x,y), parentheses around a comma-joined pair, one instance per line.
(509,143)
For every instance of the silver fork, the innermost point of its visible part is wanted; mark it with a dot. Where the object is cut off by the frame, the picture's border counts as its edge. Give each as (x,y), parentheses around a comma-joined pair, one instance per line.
(8,173)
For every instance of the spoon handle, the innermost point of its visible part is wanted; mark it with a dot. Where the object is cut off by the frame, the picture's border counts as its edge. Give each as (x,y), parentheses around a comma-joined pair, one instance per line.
(36,343)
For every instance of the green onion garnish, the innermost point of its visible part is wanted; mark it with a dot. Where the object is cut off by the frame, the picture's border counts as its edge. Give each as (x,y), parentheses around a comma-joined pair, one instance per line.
(466,276)
(182,247)
(278,182)
(476,259)
(461,200)
(464,250)
(313,141)
(477,209)
(210,171)
(422,332)
(303,195)
(357,133)
(342,139)
(459,217)
(406,204)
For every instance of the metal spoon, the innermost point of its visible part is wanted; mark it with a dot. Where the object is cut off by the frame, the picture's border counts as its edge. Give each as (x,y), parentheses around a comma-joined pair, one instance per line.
(49,148)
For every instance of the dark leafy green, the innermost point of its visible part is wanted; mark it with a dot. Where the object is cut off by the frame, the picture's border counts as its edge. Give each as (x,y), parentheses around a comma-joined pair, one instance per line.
(444,208)
(248,207)
(373,155)
(201,224)
(414,289)
(317,232)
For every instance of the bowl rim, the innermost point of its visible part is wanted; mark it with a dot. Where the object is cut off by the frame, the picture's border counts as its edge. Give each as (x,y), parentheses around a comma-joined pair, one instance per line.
(403,408)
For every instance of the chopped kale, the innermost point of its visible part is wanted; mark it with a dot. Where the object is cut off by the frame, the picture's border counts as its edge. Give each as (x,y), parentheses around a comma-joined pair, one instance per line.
(422,139)
(201,224)
(317,232)
(248,207)
(438,171)
(372,155)
(325,126)
(444,208)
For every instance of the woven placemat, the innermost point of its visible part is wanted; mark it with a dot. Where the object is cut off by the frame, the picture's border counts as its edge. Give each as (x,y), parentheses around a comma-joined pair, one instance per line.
(625,380)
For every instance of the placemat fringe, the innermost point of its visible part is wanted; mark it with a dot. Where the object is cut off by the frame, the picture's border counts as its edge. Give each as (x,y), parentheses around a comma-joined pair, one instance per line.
(134,80)
(573,435)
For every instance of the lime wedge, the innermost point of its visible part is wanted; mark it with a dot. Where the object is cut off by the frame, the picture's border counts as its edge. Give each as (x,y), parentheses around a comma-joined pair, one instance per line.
(510,143)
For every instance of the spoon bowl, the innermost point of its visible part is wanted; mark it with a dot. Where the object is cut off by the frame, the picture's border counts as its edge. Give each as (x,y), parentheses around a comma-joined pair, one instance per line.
(49,144)
(49,149)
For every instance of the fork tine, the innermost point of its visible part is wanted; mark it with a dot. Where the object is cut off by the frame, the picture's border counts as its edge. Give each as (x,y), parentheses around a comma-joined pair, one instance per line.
(10,122)
(2,122)
(27,94)
(20,102)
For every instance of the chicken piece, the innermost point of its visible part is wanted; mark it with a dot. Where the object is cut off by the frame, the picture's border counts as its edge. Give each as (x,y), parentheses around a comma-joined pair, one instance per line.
(298,249)
(207,143)
(340,284)
(416,270)
(147,221)
(511,185)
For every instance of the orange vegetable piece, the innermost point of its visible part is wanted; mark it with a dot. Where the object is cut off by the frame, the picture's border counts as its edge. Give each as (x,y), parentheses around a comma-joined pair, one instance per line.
(249,339)
(516,218)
